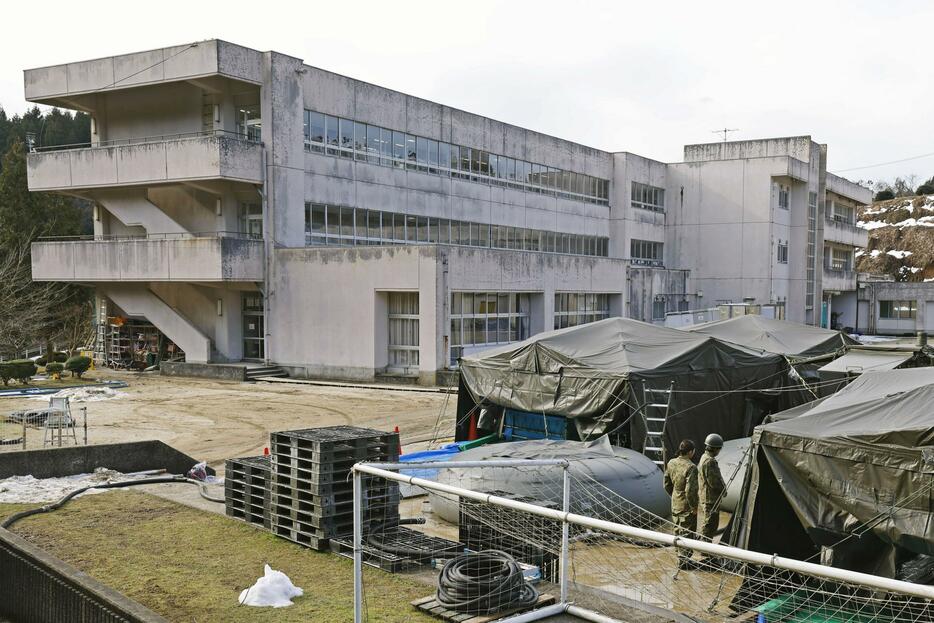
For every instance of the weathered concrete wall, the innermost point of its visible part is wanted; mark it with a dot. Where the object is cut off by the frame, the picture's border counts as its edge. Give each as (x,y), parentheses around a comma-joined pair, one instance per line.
(334,325)
(352,183)
(183,259)
(645,284)
(799,147)
(134,456)
(208,157)
(922,293)
(626,221)
(161,65)
(203,371)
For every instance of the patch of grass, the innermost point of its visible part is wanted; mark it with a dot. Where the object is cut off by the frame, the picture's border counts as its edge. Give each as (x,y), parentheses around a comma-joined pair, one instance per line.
(189,565)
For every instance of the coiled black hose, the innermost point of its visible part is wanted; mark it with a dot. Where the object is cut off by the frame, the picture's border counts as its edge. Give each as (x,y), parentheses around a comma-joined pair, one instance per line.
(484,582)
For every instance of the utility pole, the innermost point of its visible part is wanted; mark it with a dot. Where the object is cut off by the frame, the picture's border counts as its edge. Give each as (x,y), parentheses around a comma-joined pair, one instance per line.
(725,132)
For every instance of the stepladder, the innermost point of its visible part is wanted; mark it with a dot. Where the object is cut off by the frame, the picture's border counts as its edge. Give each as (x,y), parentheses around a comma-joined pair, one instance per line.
(656,409)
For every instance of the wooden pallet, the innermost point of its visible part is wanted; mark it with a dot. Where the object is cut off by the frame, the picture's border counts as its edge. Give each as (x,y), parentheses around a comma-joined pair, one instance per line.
(430,605)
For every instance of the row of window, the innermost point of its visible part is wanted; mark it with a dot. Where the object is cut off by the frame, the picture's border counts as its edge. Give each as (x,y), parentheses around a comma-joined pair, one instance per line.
(576,308)
(647,197)
(646,252)
(327,225)
(898,310)
(391,148)
(487,318)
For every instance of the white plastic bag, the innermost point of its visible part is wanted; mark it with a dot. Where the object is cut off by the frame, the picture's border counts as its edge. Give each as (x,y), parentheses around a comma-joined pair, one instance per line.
(274,589)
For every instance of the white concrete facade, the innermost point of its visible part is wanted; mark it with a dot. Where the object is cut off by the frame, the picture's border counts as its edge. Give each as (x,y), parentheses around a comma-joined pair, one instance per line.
(365,216)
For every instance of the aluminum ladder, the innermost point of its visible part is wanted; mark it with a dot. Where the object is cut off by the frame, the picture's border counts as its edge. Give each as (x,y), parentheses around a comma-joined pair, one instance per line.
(656,407)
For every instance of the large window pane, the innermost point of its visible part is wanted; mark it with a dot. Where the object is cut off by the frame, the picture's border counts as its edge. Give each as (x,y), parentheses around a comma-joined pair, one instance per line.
(411,152)
(372,230)
(444,157)
(432,156)
(398,149)
(333,221)
(346,132)
(373,140)
(316,127)
(347,222)
(422,153)
(360,140)
(332,134)
(385,147)
(398,227)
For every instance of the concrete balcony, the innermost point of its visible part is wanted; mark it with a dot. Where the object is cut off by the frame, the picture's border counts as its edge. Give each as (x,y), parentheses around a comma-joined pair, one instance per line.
(838,278)
(144,161)
(843,232)
(73,85)
(210,258)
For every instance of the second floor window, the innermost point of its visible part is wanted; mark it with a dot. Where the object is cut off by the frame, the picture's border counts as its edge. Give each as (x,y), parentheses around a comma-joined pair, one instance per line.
(646,252)
(783,196)
(648,197)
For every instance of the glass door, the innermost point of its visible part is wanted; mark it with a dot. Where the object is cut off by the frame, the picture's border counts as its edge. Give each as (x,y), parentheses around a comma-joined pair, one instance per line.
(254,327)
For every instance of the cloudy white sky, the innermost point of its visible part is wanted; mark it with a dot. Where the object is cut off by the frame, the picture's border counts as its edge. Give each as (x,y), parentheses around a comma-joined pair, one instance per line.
(645,77)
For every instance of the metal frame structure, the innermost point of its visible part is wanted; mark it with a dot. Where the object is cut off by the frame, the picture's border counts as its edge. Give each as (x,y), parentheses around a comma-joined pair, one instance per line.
(390,472)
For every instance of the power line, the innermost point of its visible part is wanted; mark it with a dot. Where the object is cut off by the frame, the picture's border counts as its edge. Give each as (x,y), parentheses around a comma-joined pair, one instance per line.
(882,164)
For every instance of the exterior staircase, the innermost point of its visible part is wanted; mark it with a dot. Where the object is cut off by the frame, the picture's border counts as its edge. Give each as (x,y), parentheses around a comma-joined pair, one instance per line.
(264,372)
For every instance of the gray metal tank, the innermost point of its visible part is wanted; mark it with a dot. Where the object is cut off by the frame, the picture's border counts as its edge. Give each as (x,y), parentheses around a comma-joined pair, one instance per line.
(612,483)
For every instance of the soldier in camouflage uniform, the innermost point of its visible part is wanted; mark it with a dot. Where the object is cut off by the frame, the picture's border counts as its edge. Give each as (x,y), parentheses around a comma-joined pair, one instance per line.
(710,487)
(681,485)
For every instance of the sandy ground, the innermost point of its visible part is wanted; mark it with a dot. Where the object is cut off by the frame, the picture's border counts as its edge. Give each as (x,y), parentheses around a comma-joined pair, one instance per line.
(213,420)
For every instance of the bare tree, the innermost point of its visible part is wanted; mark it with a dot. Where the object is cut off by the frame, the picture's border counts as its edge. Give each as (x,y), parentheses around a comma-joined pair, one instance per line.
(33,312)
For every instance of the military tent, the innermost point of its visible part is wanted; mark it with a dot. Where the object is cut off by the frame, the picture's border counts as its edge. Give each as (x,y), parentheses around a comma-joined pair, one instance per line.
(851,480)
(595,374)
(796,341)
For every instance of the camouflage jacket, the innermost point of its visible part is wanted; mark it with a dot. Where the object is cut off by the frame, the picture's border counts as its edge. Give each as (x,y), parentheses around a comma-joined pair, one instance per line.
(681,485)
(709,480)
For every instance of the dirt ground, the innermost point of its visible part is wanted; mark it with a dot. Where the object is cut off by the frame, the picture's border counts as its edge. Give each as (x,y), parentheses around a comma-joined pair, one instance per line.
(214,420)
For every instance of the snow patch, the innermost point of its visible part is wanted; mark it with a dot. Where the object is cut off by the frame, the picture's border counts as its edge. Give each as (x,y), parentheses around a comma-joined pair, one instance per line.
(84,394)
(30,490)
(899,255)
(274,589)
(870,225)
(875,253)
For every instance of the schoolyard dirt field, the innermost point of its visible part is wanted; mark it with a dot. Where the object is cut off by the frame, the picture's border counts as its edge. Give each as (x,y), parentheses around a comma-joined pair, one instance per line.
(216,420)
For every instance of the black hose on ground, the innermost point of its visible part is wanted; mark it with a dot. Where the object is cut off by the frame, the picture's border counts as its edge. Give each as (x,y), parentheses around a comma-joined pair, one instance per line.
(377,531)
(12,519)
(484,582)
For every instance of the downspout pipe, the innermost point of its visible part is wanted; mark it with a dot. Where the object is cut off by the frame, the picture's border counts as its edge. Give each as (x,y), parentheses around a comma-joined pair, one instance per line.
(267,257)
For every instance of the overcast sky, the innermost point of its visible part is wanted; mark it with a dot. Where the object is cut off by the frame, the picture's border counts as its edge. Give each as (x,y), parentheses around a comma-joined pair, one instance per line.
(644,77)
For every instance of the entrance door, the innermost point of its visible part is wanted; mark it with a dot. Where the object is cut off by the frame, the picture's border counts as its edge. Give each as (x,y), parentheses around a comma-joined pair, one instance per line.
(254,328)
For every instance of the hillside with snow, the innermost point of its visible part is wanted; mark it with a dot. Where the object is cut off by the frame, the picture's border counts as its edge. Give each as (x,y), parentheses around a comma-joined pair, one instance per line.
(901,238)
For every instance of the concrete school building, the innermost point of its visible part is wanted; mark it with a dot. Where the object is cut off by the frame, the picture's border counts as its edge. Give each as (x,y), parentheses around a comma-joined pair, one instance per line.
(252,207)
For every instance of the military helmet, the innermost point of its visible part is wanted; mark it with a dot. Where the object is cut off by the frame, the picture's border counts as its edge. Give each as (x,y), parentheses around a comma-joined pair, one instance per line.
(713,441)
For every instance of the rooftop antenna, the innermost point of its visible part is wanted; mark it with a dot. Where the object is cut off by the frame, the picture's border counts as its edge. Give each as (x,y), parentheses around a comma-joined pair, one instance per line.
(725,132)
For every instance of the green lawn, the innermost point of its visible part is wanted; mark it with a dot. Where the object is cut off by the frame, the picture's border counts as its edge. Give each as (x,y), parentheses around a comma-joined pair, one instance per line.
(190,566)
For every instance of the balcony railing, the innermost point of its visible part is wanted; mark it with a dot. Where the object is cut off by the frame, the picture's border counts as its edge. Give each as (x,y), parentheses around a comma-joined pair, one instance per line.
(837,266)
(143,140)
(841,219)
(169,236)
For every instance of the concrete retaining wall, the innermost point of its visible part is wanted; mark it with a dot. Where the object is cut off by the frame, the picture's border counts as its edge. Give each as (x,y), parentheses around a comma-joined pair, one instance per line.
(123,457)
(203,371)
(46,589)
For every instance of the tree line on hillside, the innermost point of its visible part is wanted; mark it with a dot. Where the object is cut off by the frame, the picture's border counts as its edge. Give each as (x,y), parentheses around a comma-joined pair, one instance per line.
(902,187)
(37,313)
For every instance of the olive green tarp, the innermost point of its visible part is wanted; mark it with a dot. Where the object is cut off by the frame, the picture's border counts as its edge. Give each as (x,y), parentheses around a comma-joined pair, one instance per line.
(594,375)
(854,474)
(794,340)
